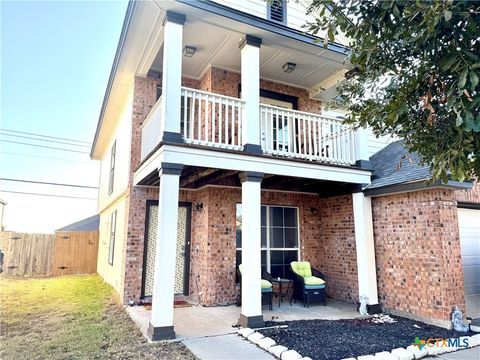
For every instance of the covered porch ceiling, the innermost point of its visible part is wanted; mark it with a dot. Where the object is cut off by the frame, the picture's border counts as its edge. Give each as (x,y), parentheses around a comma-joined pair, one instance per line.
(216,40)
(193,177)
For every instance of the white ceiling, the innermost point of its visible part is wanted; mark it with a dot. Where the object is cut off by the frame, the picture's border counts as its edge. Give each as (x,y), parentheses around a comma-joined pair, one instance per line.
(218,46)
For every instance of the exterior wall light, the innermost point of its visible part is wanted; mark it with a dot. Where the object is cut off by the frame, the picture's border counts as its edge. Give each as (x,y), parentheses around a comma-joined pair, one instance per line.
(289,67)
(188,51)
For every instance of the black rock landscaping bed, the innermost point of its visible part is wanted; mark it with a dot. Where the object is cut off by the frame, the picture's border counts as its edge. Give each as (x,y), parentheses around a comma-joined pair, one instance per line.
(339,339)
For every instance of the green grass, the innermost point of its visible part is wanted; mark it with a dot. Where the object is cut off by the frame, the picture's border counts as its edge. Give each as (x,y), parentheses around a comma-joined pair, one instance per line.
(71,317)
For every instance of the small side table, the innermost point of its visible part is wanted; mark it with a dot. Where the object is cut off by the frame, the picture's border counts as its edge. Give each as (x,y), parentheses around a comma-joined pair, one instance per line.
(284,289)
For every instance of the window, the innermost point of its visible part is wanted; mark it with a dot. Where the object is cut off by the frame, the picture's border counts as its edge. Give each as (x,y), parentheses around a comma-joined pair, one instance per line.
(277,11)
(111,246)
(112,167)
(279,238)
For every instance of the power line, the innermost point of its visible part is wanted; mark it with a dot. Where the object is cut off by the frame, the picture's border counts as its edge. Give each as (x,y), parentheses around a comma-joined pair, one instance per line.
(47,157)
(50,183)
(47,136)
(51,195)
(43,146)
(52,141)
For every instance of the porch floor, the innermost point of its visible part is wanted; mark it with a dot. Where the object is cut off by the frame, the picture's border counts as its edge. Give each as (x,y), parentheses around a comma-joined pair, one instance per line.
(199,321)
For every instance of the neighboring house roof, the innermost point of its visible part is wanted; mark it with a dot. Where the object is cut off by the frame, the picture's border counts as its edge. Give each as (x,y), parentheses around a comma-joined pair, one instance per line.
(88,224)
(394,169)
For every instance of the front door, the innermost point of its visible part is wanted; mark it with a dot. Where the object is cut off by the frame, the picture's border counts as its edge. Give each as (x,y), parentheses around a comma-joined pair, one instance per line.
(182,262)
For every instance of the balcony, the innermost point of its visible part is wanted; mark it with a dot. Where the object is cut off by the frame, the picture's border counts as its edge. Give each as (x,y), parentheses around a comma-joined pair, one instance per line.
(214,120)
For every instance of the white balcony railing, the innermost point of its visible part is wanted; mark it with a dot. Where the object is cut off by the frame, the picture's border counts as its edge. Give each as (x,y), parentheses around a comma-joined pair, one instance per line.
(215,120)
(211,119)
(151,129)
(297,134)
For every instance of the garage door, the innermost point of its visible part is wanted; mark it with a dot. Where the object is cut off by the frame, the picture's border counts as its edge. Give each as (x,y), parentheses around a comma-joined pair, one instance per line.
(469,225)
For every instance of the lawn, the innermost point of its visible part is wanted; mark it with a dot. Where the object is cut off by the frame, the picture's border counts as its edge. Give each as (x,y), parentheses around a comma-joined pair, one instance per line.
(71,317)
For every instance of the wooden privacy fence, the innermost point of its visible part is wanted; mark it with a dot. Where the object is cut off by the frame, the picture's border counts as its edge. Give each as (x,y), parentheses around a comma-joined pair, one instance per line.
(63,253)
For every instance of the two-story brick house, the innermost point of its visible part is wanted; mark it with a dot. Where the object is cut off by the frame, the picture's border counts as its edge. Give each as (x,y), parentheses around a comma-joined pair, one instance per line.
(216,151)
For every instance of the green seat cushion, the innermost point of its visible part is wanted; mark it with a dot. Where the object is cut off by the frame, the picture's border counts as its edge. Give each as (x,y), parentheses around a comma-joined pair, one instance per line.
(301,268)
(313,280)
(266,284)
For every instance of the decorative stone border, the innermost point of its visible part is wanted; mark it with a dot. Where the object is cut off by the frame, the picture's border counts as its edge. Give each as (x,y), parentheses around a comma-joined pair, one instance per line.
(410,353)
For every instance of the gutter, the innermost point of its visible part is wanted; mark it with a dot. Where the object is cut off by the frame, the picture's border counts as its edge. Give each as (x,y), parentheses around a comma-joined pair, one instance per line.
(416,186)
(118,54)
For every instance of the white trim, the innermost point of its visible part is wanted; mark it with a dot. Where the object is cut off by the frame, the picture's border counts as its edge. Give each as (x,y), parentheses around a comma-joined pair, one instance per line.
(242,162)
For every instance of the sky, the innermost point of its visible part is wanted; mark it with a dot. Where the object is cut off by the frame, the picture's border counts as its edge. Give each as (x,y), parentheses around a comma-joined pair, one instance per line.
(55,62)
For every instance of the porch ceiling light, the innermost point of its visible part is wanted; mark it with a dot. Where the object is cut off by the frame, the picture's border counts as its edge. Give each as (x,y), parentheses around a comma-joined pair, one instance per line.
(289,67)
(188,51)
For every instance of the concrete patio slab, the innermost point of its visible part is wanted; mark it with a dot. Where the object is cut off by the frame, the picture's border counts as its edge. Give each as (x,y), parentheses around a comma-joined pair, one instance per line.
(199,321)
(467,354)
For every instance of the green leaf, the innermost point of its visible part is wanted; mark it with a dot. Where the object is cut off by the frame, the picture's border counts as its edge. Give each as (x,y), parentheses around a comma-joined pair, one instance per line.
(459,121)
(473,78)
(447,14)
(469,121)
(463,79)
(449,61)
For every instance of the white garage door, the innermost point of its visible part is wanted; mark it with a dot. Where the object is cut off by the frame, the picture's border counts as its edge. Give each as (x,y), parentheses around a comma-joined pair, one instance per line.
(469,225)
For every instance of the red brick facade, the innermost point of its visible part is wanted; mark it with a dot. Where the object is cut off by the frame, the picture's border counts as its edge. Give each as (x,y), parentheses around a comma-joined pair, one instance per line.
(213,245)
(417,249)
(416,234)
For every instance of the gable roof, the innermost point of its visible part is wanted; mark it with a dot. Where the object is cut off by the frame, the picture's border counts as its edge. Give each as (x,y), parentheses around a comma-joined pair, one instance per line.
(394,169)
(89,224)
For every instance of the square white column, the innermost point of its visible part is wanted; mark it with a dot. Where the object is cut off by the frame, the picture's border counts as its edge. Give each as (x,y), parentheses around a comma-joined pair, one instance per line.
(251,313)
(365,245)
(161,322)
(250,87)
(361,148)
(172,76)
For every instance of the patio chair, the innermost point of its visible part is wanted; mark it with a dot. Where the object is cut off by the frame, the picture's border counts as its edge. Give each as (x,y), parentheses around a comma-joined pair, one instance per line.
(308,283)
(267,290)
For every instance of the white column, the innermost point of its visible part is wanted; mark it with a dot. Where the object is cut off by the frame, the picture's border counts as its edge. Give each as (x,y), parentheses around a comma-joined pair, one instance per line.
(251,313)
(250,77)
(367,276)
(361,148)
(172,76)
(161,322)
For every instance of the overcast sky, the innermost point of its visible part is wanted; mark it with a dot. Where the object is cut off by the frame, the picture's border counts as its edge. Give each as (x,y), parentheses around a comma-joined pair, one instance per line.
(55,62)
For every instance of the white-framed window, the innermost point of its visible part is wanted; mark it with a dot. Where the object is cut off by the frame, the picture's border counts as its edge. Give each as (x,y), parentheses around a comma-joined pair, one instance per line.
(277,11)
(111,178)
(280,238)
(111,245)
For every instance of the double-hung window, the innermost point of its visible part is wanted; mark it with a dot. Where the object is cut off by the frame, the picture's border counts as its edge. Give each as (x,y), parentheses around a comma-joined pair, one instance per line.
(111,245)
(279,238)
(112,167)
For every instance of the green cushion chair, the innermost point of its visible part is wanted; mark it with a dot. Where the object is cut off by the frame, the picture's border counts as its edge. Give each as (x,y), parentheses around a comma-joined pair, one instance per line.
(266,285)
(309,284)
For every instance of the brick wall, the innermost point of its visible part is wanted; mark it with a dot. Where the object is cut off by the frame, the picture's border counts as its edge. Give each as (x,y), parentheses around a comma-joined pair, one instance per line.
(326,234)
(226,82)
(338,258)
(469,196)
(417,247)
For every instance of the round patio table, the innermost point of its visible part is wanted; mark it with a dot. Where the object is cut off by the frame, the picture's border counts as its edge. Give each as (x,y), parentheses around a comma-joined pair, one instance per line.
(284,289)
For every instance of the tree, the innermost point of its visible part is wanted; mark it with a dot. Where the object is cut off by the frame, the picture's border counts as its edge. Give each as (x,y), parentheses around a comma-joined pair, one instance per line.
(416,75)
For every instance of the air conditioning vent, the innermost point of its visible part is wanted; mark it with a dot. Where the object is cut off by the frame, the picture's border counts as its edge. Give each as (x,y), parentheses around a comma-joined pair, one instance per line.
(277,11)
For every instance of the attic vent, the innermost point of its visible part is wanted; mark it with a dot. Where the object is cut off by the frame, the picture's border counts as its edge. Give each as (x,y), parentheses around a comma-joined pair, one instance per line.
(277,11)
